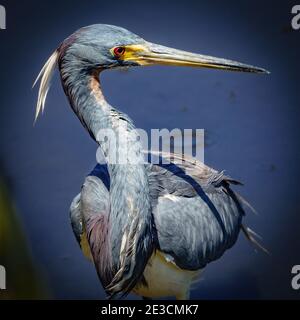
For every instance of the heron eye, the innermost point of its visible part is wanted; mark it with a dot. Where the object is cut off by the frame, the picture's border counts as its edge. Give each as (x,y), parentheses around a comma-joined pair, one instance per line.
(118,51)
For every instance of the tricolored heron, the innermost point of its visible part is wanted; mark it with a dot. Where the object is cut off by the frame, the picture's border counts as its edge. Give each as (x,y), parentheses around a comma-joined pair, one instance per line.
(149,229)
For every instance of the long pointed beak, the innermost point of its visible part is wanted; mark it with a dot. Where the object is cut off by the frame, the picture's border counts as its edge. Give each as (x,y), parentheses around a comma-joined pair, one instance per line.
(154,54)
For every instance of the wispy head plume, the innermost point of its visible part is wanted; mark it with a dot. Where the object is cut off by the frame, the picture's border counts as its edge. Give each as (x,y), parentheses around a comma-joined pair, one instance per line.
(45,75)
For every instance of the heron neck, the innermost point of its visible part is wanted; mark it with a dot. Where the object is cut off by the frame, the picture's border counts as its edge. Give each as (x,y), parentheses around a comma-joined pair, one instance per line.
(129,189)
(102,121)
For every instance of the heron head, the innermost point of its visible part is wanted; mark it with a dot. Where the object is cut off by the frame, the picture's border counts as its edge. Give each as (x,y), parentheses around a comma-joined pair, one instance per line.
(99,47)
(104,47)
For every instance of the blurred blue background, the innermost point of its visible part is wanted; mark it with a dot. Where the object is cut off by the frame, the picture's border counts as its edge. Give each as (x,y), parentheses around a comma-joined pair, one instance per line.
(251,127)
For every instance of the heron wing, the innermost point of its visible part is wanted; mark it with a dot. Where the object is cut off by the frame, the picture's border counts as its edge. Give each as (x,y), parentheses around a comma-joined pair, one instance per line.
(89,220)
(76,218)
(197,215)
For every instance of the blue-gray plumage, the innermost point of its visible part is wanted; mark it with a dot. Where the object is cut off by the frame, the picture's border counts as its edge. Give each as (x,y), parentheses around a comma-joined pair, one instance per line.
(148,228)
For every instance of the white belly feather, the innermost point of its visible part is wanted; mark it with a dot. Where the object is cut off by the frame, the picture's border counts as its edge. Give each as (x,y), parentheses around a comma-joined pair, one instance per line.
(165,279)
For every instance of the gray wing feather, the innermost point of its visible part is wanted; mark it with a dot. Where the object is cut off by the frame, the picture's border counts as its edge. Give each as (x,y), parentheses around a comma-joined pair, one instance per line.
(89,214)
(197,215)
(76,218)
(95,213)
(189,231)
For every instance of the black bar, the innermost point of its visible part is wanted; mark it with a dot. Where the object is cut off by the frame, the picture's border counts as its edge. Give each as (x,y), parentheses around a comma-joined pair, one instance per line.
(87,309)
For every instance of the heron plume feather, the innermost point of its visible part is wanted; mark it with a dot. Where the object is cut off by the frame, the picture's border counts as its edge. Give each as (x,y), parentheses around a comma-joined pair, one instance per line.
(45,77)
